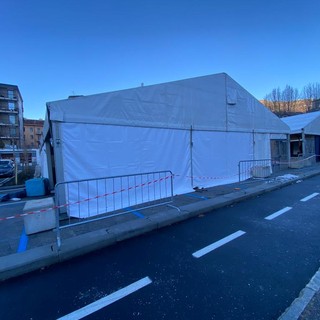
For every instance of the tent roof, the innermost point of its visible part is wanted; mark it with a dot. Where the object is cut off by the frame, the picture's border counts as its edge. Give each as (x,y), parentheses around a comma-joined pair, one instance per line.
(214,102)
(308,122)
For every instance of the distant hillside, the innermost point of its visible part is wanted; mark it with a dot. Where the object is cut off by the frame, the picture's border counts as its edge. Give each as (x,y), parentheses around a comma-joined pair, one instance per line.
(290,108)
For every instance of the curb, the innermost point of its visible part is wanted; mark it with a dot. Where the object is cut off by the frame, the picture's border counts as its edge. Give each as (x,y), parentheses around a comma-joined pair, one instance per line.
(294,311)
(31,260)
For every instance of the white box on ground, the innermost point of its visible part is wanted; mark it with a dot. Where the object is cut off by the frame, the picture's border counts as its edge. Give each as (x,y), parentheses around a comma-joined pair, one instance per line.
(40,221)
(261,171)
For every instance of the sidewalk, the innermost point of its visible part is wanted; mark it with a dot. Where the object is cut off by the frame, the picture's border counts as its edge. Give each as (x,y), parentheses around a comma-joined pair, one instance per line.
(41,249)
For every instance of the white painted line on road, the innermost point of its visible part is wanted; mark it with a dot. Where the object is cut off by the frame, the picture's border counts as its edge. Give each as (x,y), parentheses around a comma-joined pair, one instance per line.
(107,300)
(217,244)
(278,213)
(309,197)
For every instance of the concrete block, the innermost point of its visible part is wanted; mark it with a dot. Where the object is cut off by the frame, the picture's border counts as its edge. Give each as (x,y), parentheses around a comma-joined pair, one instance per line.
(296,163)
(261,171)
(40,221)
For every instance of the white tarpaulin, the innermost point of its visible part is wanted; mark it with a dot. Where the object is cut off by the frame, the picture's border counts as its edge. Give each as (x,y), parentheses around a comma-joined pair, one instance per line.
(216,156)
(197,128)
(307,122)
(118,150)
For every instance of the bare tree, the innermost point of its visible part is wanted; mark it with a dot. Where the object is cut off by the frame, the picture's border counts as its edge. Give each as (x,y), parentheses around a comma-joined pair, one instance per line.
(311,92)
(289,100)
(290,96)
(273,100)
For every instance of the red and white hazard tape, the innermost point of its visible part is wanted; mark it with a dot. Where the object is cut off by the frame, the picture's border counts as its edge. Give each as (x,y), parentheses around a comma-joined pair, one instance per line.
(84,200)
(212,178)
(116,192)
(294,161)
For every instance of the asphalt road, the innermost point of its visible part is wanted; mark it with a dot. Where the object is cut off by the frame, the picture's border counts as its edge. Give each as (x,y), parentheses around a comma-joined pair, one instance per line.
(247,261)
(3,180)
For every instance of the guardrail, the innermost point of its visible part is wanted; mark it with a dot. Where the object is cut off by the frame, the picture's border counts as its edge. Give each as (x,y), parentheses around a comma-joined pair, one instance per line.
(265,167)
(91,200)
(300,161)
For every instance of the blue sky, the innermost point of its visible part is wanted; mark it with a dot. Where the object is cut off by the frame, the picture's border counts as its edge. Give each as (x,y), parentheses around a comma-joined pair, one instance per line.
(53,49)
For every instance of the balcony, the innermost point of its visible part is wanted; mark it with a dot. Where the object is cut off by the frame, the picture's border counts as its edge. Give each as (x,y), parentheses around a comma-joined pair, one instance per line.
(8,124)
(7,137)
(6,110)
(2,97)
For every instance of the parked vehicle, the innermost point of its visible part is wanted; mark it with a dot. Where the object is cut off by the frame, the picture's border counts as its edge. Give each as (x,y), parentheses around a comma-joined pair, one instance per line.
(6,168)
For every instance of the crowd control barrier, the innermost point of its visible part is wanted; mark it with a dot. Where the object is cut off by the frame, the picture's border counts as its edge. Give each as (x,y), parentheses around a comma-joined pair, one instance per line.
(88,200)
(262,168)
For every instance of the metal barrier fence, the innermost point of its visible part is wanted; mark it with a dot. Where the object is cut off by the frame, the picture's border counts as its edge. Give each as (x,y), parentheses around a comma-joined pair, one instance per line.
(259,168)
(301,162)
(91,200)
(263,168)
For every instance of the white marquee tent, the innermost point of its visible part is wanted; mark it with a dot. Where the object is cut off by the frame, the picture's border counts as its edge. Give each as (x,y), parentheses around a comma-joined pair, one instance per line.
(200,127)
(309,123)
(304,134)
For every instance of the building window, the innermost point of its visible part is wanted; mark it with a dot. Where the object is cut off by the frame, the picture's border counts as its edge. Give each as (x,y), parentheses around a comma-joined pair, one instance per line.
(38,130)
(11,106)
(10,94)
(31,136)
(12,119)
(31,130)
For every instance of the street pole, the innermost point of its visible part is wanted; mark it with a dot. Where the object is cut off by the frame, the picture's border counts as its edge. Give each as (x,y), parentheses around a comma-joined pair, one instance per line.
(15,164)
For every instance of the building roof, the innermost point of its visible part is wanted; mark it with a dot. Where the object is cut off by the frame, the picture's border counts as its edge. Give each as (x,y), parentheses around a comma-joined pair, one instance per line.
(307,122)
(11,86)
(214,102)
(33,122)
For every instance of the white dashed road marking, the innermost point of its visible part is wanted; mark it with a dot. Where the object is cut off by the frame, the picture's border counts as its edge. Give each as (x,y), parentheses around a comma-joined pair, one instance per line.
(309,197)
(217,244)
(107,300)
(278,213)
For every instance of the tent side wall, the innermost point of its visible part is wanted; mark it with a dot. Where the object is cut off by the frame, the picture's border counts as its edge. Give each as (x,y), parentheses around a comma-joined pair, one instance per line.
(119,150)
(95,151)
(313,128)
(106,151)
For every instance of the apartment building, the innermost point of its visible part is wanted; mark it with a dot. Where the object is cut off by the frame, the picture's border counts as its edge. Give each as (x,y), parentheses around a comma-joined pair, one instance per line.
(11,117)
(32,133)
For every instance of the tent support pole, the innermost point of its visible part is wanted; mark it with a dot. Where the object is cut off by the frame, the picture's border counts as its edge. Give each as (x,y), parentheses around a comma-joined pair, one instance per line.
(303,136)
(289,150)
(191,156)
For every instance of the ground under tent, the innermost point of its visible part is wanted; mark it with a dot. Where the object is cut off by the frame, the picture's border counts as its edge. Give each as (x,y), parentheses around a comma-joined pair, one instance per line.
(198,128)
